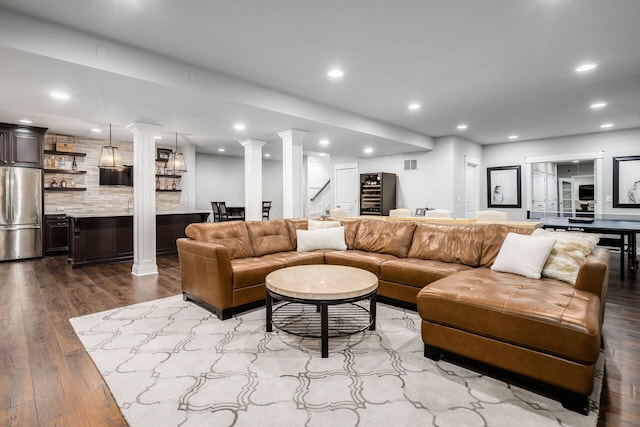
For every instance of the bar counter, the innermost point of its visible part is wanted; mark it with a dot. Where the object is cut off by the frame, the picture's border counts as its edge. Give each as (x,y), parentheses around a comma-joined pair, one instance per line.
(97,238)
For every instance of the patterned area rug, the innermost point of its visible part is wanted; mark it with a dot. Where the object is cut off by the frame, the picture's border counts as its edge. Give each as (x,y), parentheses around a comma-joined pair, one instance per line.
(169,362)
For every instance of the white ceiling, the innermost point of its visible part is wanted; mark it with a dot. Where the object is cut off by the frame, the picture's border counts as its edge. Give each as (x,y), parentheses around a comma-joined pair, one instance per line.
(501,66)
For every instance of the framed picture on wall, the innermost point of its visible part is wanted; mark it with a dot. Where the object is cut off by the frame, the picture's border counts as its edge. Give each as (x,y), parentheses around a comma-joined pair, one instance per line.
(503,187)
(626,182)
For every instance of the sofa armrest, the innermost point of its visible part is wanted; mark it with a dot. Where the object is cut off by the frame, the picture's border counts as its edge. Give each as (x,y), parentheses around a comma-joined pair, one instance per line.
(206,272)
(594,276)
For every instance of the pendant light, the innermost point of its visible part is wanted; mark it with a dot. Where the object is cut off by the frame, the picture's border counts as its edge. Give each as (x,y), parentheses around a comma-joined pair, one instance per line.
(176,160)
(109,155)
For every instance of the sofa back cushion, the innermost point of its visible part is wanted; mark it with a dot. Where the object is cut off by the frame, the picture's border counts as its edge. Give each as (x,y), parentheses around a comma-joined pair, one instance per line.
(233,235)
(295,224)
(268,237)
(385,237)
(494,235)
(460,244)
(350,229)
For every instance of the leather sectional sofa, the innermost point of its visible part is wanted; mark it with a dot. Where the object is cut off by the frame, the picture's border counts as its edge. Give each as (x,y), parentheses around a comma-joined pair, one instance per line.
(544,329)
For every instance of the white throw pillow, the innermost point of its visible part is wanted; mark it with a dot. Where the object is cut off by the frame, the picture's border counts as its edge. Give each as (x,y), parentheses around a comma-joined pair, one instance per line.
(314,224)
(568,253)
(324,238)
(523,254)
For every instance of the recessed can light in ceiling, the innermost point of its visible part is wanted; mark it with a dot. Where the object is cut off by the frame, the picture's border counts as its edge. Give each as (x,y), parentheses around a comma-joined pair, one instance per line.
(606,125)
(239,126)
(335,73)
(267,155)
(597,105)
(513,136)
(60,95)
(462,126)
(587,66)
(414,106)
(324,142)
(221,150)
(96,130)
(368,150)
(26,121)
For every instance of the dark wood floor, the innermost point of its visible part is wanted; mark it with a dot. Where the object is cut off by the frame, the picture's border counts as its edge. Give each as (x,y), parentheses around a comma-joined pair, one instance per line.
(47,379)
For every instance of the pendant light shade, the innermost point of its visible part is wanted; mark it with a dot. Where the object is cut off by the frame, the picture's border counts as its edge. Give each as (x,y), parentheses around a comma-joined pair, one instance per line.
(109,157)
(176,160)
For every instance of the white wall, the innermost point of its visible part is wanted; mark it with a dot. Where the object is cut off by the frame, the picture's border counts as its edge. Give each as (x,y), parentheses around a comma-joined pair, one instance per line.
(611,143)
(221,178)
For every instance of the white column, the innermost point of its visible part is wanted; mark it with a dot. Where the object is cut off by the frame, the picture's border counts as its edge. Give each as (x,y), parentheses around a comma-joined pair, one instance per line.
(144,198)
(188,180)
(292,173)
(252,179)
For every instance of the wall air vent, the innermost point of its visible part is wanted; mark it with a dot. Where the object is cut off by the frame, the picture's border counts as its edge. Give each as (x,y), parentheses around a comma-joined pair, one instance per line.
(410,165)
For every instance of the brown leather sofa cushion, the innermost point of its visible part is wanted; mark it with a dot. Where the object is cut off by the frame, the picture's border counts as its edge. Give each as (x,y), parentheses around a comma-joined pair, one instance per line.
(369,261)
(417,272)
(540,314)
(294,225)
(494,235)
(252,271)
(269,237)
(385,237)
(460,244)
(351,226)
(233,235)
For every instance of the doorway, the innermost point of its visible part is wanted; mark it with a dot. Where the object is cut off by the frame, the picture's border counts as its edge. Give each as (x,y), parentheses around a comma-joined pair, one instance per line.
(471,188)
(347,188)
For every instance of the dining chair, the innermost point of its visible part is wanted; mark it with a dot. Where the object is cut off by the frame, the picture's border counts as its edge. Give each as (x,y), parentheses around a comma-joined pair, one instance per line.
(226,216)
(266,207)
(216,212)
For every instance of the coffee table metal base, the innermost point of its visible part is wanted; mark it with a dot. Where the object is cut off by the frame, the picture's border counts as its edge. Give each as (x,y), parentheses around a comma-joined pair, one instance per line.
(291,316)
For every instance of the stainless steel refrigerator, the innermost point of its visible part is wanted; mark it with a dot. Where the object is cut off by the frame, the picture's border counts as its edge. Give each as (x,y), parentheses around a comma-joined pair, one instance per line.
(21,213)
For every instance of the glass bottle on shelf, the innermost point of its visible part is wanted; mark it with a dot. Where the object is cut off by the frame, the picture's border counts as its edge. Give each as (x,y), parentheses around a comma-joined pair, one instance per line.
(72,183)
(63,182)
(74,164)
(174,185)
(52,163)
(166,184)
(54,183)
(61,163)
(158,182)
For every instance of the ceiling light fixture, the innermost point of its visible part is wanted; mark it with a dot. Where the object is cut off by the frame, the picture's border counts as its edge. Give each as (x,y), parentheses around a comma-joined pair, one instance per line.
(239,126)
(335,73)
(597,105)
(176,160)
(588,66)
(368,150)
(414,106)
(109,157)
(96,130)
(221,150)
(324,142)
(60,95)
(26,121)
(513,136)
(606,125)
(462,126)
(267,155)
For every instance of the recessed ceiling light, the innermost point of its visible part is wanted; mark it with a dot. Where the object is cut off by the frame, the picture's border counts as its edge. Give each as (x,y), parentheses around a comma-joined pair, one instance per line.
(221,150)
(335,73)
(598,105)
(587,66)
(513,136)
(576,161)
(462,126)
(96,130)
(239,126)
(414,106)
(368,150)
(157,137)
(323,154)
(324,142)
(25,121)
(60,95)
(267,155)
(606,125)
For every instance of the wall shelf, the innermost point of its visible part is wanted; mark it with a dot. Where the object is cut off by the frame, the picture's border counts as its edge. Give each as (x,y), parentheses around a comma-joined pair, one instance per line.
(65,171)
(167,191)
(65,189)
(65,153)
(160,175)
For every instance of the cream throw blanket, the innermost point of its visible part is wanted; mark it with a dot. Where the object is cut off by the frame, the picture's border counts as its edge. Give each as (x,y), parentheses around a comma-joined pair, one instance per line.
(568,253)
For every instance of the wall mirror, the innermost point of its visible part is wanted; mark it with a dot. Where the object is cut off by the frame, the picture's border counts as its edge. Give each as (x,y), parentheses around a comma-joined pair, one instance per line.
(565,186)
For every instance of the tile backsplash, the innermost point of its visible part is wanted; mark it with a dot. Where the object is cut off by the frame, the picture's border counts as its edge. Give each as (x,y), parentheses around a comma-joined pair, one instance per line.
(96,198)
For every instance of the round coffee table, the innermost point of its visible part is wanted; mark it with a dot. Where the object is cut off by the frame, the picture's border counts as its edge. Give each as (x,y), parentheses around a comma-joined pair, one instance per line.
(321,285)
